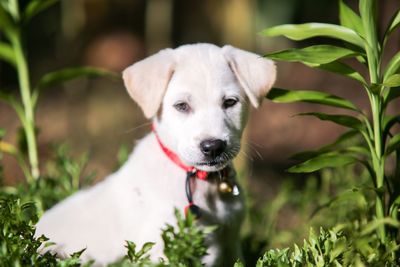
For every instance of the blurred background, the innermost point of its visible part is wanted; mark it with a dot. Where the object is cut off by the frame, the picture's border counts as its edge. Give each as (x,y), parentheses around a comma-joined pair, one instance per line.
(96,116)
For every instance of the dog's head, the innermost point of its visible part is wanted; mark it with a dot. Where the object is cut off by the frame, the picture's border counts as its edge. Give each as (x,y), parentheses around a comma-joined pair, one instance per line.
(197,95)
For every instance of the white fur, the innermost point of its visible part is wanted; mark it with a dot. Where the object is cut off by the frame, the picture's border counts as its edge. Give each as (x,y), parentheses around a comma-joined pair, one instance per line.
(137,201)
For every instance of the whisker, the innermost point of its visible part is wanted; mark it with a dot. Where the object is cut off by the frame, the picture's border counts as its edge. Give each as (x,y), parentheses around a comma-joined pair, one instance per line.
(131,130)
(247,156)
(252,148)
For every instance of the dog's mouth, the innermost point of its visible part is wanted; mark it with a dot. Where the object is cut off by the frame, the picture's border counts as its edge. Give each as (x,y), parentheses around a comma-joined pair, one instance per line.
(215,164)
(211,166)
(211,163)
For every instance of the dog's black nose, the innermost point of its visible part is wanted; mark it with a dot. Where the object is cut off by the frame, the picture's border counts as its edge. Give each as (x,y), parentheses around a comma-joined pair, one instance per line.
(212,147)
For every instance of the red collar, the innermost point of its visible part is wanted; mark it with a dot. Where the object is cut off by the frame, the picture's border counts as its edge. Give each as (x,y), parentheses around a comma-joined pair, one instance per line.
(202,175)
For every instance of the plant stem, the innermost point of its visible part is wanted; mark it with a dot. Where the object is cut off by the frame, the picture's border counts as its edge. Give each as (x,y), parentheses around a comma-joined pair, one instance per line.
(379,159)
(29,126)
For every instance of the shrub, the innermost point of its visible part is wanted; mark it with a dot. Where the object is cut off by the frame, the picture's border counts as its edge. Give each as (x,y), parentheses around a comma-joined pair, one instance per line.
(379,143)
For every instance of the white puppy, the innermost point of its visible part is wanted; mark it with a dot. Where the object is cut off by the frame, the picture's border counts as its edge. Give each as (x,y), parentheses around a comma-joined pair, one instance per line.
(197,96)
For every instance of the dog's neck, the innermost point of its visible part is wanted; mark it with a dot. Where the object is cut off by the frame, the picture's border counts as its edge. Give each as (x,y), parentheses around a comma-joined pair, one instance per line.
(192,172)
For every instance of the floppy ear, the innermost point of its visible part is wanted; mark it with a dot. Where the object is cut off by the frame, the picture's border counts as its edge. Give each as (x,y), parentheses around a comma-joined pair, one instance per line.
(255,74)
(148,79)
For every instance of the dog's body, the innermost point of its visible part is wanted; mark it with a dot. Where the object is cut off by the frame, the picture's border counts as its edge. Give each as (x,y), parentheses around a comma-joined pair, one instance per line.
(197,97)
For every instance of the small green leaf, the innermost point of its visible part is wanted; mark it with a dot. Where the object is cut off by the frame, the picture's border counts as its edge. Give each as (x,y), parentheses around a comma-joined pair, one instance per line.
(8,148)
(394,23)
(286,96)
(392,67)
(344,120)
(392,81)
(7,53)
(2,133)
(7,24)
(349,19)
(308,30)
(147,247)
(392,94)
(13,103)
(313,55)
(67,74)
(389,122)
(372,226)
(60,76)
(238,263)
(393,145)
(343,69)
(36,6)
(305,155)
(323,161)
(394,207)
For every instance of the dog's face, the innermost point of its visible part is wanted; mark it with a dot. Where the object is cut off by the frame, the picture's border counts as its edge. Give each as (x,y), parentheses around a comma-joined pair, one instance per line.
(203,111)
(198,95)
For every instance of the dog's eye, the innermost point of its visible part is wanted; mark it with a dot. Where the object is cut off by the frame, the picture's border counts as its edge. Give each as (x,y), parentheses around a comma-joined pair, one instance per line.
(229,102)
(182,107)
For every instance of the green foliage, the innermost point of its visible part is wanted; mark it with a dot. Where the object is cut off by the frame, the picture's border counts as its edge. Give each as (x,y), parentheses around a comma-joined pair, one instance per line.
(66,175)
(309,30)
(359,33)
(287,96)
(314,55)
(336,247)
(135,258)
(18,246)
(184,247)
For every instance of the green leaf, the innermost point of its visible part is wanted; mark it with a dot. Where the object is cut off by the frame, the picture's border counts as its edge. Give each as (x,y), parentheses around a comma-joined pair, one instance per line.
(394,23)
(393,145)
(392,81)
(146,247)
(375,224)
(372,46)
(36,6)
(7,53)
(308,30)
(61,76)
(14,104)
(392,94)
(7,24)
(348,18)
(343,69)
(323,161)
(392,67)
(286,96)
(8,148)
(344,120)
(388,122)
(2,133)
(313,55)
(305,155)
(367,9)
(238,263)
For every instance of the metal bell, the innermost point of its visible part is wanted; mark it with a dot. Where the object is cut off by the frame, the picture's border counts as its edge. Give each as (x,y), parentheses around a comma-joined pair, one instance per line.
(224,187)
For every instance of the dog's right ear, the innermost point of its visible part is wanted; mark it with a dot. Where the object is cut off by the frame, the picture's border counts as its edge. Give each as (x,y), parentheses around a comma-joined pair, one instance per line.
(147,80)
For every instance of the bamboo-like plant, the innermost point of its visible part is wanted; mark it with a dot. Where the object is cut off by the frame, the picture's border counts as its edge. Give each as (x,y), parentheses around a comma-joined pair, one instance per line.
(361,43)
(12,51)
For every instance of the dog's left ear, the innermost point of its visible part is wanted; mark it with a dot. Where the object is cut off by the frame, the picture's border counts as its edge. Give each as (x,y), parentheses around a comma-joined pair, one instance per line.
(255,74)
(147,80)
